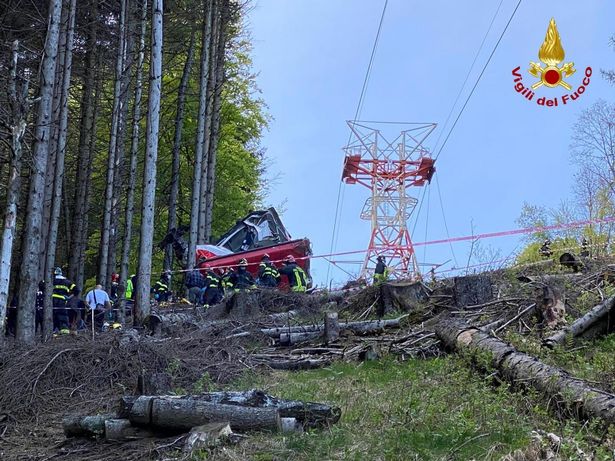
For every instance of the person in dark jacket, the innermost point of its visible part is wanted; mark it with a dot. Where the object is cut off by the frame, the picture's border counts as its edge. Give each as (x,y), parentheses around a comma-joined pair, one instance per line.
(381,273)
(268,275)
(297,278)
(241,278)
(115,287)
(40,306)
(226,276)
(213,287)
(62,288)
(76,310)
(195,283)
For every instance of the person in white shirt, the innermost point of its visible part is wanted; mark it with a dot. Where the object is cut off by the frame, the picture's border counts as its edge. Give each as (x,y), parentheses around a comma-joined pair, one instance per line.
(98,301)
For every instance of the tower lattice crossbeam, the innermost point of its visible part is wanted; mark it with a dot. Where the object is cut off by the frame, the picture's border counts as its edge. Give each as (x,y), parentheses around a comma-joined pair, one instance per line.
(389,169)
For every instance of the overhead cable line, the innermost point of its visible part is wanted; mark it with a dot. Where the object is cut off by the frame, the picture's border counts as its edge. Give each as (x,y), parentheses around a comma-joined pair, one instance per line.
(463,85)
(478,79)
(339,202)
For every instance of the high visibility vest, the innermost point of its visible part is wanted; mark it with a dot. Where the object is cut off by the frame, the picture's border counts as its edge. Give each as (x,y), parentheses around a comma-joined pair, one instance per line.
(300,280)
(129,288)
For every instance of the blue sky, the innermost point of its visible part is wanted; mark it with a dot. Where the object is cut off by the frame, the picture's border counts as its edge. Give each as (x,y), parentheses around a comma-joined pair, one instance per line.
(311,56)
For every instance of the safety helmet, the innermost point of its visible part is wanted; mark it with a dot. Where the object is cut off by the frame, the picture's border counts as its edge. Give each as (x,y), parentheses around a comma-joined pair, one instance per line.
(115,277)
(289,259)
(57,271)
(380,258)
(243,262)
(265,256)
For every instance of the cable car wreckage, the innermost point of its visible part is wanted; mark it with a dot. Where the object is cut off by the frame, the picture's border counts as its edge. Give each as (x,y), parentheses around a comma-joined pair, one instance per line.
(260,232)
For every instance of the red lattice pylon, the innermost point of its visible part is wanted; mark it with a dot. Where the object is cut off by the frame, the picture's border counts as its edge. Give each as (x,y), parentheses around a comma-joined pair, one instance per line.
(389,170)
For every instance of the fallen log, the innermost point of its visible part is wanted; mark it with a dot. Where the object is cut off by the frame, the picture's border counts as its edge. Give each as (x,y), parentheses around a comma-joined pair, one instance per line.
(302,333)
(288,339)
(120,430)
(520,368)
(372,326)
(180,414)
(597,321)
(310,414)
(85,426)
(172,323)
(277,331)
(299,364)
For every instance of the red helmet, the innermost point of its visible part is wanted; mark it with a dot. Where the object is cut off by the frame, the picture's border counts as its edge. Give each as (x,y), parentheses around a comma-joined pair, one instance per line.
(266,256)
(289,259)
(115,277)
(206,266)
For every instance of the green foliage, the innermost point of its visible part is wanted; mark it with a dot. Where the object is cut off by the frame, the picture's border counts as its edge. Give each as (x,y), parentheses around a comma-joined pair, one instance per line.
(531,253)
(203,384)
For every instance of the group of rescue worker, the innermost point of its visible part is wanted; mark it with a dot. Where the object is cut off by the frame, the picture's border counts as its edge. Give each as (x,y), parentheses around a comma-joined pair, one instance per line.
(546,252)
(207,285)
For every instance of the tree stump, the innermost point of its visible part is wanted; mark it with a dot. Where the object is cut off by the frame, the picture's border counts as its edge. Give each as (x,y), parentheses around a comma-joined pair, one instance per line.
(332,327)
(472,290)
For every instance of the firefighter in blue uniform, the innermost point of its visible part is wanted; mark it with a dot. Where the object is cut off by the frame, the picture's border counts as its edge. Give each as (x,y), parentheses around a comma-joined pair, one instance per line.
(297,278)
(268,275)
(62,288)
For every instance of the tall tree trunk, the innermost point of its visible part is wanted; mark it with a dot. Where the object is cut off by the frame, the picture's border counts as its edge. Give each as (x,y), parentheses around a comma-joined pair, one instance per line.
(120,147)
(211,82)
(134,151)
(51,162)
(86,133)
(61,143)
(200,133)
(215,129)
(142,304)
(32,233)
(115,119)
(177,142)
(17,94)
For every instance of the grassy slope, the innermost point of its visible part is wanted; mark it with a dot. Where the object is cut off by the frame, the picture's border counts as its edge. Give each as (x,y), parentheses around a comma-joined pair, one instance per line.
(435,409)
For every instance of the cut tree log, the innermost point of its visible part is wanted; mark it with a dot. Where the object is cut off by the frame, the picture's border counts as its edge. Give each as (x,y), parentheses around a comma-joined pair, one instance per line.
(120,430)
(172,323)
(207,436)
(85,426)
(517,367)
(332,327)
(297,364)
(310,414)
(597,321)
(300,333)
(180,414)
(373,326)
